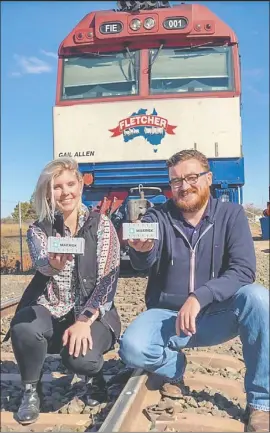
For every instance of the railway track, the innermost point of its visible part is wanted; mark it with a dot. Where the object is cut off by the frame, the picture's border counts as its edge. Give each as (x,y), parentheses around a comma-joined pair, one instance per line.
(140,408)
(213,400)
(8,308)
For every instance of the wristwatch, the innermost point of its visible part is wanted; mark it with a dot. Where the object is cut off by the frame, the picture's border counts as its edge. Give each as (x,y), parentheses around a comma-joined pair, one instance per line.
(86,315)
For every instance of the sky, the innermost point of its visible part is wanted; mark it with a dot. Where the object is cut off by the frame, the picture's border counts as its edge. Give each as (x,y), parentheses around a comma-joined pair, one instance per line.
(31,33)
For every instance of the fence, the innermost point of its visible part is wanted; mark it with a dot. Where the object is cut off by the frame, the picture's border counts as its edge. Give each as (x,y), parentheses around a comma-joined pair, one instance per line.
(253,217)
(15,257)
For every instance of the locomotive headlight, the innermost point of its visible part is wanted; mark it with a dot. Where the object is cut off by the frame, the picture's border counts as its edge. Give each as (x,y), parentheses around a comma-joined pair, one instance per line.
(149,23)
(135,24)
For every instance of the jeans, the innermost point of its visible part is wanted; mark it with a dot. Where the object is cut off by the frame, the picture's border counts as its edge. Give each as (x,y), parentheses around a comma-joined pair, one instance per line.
(35,332)
(151,343)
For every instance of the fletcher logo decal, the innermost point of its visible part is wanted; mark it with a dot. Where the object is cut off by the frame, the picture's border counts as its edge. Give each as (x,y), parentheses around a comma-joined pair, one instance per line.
(150,126)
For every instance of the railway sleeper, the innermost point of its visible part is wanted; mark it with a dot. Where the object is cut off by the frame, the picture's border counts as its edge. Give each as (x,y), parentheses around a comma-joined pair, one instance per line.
(139,407)
(47,422)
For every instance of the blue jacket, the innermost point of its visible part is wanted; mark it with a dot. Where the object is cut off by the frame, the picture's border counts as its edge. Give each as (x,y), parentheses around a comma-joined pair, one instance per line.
(221,261)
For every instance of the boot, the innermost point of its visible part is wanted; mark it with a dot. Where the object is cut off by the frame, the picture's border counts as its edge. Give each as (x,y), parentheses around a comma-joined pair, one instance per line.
(258,421)
(175,388)
(28,411)
(96,390)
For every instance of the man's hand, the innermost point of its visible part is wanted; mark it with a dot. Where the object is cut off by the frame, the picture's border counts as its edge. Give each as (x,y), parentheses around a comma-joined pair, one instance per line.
(186,317)
(58,261)
(141,245)
(79,337)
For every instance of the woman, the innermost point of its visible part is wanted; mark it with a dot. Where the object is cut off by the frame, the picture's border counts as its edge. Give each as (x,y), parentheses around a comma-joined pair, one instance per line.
(68,306)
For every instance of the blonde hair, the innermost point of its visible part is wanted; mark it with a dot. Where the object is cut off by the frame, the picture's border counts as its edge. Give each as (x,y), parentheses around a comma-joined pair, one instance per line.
(43,195)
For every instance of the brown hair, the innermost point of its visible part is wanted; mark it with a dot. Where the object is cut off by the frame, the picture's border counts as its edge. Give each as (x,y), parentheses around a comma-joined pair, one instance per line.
(185,155)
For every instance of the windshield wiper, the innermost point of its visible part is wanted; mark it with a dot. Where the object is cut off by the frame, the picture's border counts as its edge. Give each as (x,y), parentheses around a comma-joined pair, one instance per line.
(210,43)
(156,55)
(193,47)
(130,56)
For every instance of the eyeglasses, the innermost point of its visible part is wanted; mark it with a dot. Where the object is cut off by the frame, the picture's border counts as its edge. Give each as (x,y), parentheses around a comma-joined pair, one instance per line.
(191,179)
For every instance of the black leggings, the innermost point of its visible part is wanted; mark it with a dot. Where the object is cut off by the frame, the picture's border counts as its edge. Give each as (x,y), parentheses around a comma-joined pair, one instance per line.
(35,332)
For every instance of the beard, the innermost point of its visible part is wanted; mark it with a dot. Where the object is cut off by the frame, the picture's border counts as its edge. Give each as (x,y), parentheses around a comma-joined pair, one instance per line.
(196,201)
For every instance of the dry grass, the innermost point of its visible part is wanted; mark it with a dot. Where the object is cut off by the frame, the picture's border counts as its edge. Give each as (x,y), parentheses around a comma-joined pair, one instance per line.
(13,230)
(10,247)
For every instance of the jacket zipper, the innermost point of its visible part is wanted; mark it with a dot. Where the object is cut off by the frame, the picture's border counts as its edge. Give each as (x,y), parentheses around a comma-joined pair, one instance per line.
(81,281)
(192,271)
(192,256)
(82,286)
(80,233)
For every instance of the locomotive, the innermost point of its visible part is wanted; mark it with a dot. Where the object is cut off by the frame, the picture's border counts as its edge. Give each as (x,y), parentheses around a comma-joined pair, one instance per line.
(135,85)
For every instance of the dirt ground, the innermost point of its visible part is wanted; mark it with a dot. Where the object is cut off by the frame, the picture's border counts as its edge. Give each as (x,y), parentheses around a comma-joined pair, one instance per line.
(262,250)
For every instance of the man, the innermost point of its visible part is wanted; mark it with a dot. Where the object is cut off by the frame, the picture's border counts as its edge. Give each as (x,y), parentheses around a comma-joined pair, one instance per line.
(201,289)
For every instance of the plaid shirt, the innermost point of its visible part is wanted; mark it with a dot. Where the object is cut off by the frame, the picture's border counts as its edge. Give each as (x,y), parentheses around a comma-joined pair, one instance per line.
(62,291)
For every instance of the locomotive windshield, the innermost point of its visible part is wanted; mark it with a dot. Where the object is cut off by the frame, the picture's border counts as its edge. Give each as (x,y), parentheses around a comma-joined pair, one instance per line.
(171,70)
(200,69)
(101,75)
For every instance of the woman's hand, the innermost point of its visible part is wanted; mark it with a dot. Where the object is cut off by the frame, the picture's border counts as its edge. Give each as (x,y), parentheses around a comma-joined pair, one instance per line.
(58,261)
(79,338)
